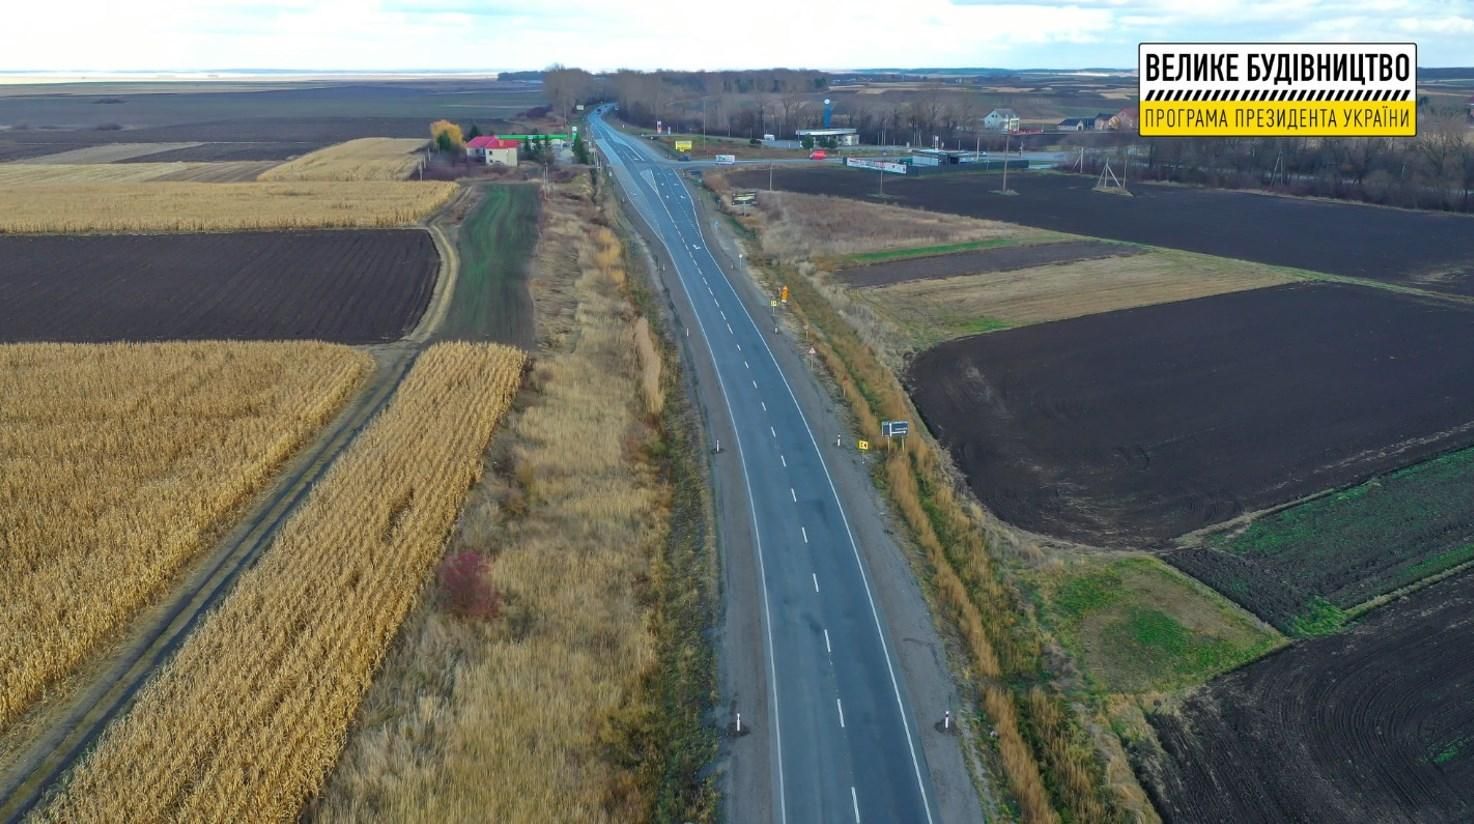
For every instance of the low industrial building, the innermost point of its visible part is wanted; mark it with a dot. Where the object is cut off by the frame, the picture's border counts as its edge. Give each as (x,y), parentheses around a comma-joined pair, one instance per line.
(1077,124)
(821,137)
(492,150)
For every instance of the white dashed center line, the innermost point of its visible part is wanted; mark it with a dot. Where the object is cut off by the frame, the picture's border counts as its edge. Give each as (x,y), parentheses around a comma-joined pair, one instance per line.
(827,648)
(804,531)
(816,580)
(795,497)
(839,706)
(784,460)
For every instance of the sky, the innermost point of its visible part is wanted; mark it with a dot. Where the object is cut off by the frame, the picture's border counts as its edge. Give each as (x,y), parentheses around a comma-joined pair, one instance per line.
(389,35)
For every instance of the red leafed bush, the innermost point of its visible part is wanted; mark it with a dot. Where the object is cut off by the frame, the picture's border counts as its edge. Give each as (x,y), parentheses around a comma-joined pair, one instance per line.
(468,593)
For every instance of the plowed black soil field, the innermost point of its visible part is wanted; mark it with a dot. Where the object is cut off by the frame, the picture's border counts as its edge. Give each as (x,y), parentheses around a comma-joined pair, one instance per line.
(1372,725)
(1129,428)
(1005,259)
(1431,250)
(347,286)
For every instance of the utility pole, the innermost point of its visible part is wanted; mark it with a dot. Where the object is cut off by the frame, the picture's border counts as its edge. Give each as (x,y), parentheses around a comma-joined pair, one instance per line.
(770,175)
(703,122)
(882,178)
(1005,163)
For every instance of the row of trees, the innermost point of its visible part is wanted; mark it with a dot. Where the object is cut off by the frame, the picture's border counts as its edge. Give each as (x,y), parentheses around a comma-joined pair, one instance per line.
(1434,170)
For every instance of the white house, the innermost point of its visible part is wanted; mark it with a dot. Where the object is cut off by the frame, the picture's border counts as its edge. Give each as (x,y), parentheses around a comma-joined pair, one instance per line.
(492,150)
(1001,120)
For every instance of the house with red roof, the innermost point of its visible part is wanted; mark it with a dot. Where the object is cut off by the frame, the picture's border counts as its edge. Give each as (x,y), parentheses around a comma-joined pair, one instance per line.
(491,150)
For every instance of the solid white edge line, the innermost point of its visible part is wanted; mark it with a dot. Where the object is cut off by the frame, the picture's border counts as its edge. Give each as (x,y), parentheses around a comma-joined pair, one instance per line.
(854,548)
(756,537)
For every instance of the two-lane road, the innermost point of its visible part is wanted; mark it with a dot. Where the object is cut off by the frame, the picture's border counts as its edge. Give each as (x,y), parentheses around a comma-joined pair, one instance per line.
(843,742)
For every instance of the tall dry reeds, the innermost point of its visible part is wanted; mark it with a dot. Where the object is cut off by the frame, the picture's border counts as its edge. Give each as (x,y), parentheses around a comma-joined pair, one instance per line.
(119,462)
(246,719)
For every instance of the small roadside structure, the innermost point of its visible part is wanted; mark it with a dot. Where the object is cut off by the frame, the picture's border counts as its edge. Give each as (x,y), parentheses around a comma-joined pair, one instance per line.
(1102,120)
(830,137)
(1077,124)
(1001,120)
(492,150)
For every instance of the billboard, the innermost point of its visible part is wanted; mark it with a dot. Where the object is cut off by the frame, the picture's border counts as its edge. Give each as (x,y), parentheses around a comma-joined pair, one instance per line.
(889,166)
(683,146)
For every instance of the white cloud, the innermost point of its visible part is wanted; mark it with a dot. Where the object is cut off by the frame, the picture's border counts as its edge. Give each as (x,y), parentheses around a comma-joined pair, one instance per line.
(465,34)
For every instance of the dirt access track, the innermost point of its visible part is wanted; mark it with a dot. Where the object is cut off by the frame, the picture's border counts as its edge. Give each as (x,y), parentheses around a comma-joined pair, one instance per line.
(1130,428)
(1425,249)
(349,286)
(1006,259)
(1372,725)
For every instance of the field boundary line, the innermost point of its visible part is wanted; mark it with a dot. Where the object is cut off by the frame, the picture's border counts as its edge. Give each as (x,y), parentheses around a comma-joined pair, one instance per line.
(50,754)
(445,286)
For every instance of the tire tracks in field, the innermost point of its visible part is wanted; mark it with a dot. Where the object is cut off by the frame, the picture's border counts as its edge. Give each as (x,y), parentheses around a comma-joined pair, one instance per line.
(157,634)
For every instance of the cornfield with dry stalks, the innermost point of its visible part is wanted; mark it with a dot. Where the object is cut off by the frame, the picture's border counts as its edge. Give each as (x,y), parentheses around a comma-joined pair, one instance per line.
(512,721)
(246,720)
(367,158)
(157,206)
(116,463)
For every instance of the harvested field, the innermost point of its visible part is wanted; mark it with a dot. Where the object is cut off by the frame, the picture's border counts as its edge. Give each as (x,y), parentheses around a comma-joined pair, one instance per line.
(116,465)
(237,171)
(1140,626)
(1133,427)
(222,152)
(1371,725)
(153,206)
(928,312)
(86,174)
(1302,567)
(350,286)
(802,226)
(1005,259)
(367,158)
(22,151)
(110,152)
(248,717)
(1429,250)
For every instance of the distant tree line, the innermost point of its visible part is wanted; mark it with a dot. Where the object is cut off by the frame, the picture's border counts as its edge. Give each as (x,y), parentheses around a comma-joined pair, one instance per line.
(1434,170)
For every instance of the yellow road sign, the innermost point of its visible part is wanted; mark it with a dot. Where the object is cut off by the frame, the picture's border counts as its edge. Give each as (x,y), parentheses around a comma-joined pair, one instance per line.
(864,446)
(783,295)
(1275,90)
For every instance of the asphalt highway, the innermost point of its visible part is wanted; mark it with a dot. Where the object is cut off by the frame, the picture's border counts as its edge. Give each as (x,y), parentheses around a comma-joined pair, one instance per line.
(844,738)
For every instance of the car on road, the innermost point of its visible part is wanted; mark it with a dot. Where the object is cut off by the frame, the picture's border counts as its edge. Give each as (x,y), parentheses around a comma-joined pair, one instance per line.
(818,154)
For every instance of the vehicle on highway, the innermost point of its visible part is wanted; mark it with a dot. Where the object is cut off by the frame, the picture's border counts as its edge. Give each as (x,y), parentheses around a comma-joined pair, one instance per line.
(818,154)
(726,159)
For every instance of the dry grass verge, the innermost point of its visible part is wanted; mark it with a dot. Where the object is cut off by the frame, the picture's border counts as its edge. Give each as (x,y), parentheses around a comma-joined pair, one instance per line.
(1047,758)
(189,207)
(246,720)
(367,158)
(117,461)
(563,709)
